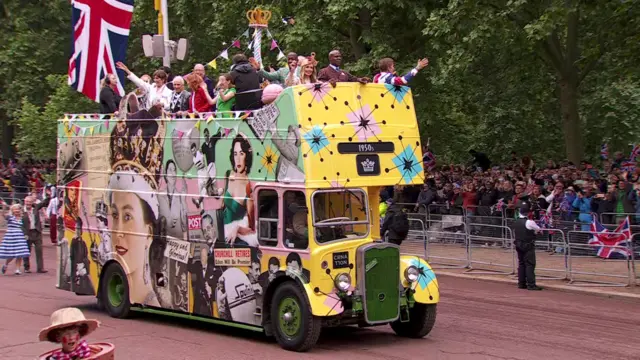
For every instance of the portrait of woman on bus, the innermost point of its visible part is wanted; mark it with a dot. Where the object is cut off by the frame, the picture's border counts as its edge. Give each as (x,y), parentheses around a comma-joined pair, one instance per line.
(237,211)
(133,206)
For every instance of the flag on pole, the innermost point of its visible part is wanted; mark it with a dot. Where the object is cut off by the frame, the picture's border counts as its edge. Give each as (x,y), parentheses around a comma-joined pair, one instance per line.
(274,44)
(213,63)
(100,32)
(280,55)
(236,43)
(225,54)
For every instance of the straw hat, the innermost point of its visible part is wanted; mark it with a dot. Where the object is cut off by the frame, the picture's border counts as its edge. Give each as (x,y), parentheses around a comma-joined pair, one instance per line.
(66,317)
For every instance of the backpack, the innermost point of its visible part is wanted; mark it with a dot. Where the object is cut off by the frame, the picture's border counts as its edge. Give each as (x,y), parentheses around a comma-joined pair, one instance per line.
(400,223)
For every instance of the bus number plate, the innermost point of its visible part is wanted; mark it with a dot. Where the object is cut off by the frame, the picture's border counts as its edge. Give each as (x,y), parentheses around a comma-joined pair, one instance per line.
(366,147)
(341,260)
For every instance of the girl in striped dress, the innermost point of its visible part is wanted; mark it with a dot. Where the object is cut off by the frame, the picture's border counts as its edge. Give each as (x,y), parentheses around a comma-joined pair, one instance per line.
(14,244)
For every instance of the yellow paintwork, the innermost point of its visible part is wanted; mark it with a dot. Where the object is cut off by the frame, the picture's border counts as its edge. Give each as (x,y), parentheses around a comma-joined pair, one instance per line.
(429,294)
(328,112)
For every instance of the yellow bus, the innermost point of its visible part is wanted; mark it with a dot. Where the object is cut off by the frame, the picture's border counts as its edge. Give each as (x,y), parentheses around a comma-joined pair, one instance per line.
(266,220)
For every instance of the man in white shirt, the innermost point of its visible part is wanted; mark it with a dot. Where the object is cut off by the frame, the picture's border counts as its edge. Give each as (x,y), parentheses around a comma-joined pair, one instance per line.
(52,214)
(525,231)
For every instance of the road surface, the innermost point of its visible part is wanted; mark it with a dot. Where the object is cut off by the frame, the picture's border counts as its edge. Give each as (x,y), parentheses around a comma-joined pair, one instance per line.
(476,320)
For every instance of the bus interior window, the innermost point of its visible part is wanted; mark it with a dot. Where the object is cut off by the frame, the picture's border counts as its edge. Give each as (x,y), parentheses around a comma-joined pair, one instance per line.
(268,213)
(296,234)
(340,215)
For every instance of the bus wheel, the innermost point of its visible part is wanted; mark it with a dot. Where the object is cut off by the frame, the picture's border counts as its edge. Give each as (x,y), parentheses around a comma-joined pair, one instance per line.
(114,292)
(422,317)
(295,327)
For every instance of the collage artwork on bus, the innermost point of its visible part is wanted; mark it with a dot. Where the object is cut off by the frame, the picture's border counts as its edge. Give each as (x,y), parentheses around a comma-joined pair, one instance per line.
(170,199)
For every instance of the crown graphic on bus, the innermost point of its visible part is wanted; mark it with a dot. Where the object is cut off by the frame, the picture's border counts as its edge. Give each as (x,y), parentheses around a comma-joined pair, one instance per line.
(368,165)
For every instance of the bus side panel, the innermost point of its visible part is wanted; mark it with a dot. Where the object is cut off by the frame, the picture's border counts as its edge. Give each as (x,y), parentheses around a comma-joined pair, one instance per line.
(170,200)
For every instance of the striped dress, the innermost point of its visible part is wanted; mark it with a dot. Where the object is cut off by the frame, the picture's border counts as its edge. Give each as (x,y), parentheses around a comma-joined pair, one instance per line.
(14,244)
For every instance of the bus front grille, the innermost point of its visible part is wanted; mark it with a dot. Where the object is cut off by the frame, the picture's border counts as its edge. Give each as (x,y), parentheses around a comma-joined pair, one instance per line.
(378,281)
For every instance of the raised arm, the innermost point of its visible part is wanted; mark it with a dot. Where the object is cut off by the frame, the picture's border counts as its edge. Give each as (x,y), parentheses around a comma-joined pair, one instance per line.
(131,76)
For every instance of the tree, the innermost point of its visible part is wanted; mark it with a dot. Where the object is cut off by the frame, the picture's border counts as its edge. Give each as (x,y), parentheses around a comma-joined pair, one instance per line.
(34,42)
(570,37)
(36,136)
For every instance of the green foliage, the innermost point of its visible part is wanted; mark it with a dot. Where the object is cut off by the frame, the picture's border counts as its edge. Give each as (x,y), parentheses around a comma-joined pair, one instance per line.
(493,82)
(37,129)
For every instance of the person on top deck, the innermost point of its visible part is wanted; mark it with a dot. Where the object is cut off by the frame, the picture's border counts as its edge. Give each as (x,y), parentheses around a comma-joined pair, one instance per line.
(333,73)
(247,82)
(282,73)
(388,75)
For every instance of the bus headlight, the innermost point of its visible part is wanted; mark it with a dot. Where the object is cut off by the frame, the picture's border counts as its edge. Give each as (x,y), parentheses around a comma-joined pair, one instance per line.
(343,282)
(411,274)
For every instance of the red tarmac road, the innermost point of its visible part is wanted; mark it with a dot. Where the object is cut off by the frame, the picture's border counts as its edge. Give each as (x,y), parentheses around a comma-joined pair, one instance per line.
(476,320)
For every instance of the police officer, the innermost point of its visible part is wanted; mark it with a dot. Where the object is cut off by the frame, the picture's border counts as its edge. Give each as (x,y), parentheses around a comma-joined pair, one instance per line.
(525,231)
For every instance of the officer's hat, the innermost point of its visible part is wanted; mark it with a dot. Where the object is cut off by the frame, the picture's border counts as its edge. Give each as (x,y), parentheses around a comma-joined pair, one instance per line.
(524,208)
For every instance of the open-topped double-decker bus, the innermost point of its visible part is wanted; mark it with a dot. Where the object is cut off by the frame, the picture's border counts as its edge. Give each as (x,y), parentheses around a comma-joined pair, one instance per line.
(265,220)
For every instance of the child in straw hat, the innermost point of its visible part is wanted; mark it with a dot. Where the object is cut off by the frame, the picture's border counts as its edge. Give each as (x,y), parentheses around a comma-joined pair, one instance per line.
(68,327)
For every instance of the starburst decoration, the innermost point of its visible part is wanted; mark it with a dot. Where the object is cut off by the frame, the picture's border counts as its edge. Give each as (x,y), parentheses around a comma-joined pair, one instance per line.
(364,123)
(269,159)
(398,92)
(316,139)
(407,164)
(319,93)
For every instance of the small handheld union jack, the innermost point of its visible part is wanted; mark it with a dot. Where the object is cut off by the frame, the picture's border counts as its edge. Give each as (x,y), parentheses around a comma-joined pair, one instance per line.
(604,151)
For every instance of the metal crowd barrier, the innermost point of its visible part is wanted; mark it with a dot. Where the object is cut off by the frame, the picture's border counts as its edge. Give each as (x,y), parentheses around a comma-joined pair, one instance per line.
(447,242)
(482,242)
(635,254)
(583,271)
(416,241)
(490,237)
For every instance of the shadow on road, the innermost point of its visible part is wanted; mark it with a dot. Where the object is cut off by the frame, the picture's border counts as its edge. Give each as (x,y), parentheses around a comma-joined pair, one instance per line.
(343,337)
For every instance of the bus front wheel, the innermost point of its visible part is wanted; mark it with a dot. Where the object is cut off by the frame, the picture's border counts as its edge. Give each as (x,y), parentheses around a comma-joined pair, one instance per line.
(422,317)
(295,327)
(114,292)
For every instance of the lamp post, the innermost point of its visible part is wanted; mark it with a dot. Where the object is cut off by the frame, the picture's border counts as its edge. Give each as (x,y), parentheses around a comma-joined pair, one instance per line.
(160,45)
(164,13)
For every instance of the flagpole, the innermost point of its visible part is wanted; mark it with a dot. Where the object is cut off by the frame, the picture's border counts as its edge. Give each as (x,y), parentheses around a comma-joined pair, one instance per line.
(164,8)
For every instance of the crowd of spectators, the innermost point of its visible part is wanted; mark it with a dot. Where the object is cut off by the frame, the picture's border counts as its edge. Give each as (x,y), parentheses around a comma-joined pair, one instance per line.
(567,191)
(20,179)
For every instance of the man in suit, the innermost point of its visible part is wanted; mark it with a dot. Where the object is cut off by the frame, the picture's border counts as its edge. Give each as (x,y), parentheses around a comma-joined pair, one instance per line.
(179,97)
(32,228)
(333,73)
(204,279)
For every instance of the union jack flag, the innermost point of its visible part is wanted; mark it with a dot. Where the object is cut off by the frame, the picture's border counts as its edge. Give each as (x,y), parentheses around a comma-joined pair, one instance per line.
(499,206)
(546,220)
(628,166)
(429,160)
(611,243)
(604,151)
(100,34)
(634,152)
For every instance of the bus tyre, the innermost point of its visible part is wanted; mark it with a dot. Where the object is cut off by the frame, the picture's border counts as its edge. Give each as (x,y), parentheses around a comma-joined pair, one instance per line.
(422,317)
(295,327)
(114,292)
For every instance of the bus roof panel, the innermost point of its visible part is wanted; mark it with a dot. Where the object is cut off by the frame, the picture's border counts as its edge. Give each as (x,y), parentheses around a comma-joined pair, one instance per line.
(358,135)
